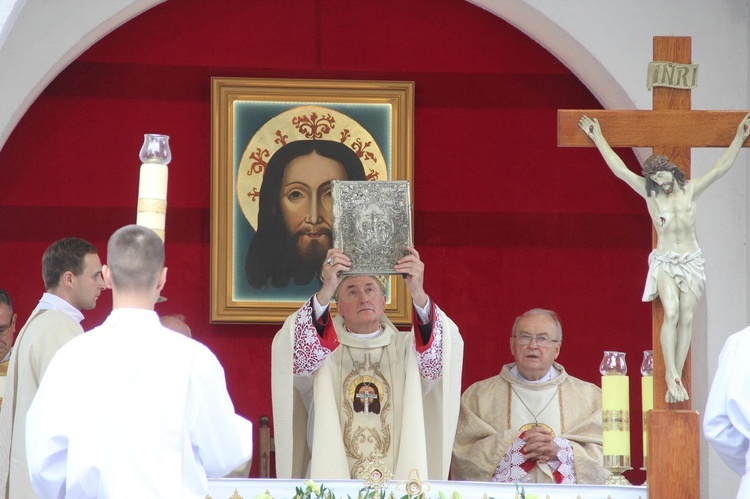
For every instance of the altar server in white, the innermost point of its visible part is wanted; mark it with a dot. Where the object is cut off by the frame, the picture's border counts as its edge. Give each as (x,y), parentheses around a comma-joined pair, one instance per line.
(726,423)
(139,411)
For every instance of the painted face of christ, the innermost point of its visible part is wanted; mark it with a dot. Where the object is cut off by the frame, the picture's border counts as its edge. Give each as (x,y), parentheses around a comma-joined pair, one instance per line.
(367,393)
(294,214)
(305,204)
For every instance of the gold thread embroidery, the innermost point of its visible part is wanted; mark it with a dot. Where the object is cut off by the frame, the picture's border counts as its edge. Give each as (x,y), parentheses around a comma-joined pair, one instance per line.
(562,414)
(510,400)
(363,442)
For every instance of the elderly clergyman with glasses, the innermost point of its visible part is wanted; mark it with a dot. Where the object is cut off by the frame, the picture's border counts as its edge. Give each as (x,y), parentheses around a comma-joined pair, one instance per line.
(7,330)
(532,422)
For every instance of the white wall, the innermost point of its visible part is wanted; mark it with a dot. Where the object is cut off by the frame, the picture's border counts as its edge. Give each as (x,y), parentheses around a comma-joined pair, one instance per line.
(606,44)
(41,38)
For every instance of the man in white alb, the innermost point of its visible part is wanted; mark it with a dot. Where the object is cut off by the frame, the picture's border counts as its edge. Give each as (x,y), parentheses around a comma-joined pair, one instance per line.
(726,422)
(139,411)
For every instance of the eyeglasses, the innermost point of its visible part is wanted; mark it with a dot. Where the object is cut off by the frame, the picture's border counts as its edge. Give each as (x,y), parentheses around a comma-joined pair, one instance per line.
(4,328)
(541,341)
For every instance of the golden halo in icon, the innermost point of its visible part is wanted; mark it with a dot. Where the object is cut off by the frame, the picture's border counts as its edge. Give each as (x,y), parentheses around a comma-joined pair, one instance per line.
(308,122)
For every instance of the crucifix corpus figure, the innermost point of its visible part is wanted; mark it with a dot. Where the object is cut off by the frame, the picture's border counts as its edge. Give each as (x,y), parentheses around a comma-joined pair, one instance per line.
(676,272)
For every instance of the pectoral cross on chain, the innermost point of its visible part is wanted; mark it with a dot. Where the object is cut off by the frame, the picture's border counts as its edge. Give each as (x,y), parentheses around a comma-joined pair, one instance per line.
(360,367)
(367,396)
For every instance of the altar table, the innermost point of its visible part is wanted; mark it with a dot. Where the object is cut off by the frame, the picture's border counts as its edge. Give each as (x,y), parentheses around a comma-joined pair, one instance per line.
(249,488)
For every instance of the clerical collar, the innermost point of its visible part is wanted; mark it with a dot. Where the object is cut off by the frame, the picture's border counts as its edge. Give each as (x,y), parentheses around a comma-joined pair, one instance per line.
(551,374)
(366,336)
(52,301)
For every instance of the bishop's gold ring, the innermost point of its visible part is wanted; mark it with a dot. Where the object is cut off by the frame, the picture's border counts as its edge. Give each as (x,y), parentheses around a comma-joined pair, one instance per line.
(329,261)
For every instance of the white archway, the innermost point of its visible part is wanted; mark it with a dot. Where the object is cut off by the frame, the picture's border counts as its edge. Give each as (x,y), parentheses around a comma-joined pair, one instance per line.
(604,44)
(41,38)
(565,47)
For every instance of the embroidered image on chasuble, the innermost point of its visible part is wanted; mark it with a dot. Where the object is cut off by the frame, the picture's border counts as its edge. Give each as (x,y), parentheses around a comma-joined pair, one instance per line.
(366,398)
(367,411)
(342,402)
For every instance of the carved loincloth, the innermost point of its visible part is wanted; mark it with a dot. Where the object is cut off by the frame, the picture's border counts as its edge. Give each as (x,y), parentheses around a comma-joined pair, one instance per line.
(686,270)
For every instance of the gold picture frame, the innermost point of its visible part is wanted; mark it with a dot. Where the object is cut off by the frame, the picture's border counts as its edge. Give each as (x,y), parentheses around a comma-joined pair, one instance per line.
(251,119)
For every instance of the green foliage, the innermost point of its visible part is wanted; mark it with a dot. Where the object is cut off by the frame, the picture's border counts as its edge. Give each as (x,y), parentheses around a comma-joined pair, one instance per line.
(312,490)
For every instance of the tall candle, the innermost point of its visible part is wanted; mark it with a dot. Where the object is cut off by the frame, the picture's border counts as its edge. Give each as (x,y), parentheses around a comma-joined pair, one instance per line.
(647,403)
(152,197)
(615,415)
(647,396)
(152,187)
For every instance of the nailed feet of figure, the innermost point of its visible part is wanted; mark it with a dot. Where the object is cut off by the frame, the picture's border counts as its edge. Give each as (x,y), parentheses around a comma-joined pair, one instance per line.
(675,391)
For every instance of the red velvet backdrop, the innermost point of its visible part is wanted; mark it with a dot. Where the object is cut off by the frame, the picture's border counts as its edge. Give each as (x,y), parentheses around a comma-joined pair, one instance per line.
(504,219)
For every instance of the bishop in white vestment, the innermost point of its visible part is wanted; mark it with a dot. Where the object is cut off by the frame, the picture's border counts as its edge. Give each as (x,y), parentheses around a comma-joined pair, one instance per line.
(353,396)
(532,422)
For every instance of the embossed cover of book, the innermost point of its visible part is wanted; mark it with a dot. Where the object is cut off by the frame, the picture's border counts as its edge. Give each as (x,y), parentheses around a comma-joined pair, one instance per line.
(372,223)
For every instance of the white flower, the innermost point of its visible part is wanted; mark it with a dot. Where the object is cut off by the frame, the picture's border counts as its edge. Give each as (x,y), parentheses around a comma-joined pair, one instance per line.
(312,487)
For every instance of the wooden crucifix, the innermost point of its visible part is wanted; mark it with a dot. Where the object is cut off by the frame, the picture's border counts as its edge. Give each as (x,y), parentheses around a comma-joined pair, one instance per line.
(671,129)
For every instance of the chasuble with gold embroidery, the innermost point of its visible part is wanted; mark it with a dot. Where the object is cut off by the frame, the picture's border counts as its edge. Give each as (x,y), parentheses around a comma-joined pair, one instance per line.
(343,403)
(496,411)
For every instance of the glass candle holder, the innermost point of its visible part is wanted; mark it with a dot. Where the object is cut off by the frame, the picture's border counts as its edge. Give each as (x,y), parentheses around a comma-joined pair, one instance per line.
(647,366)
(613,363)
(152,187)
(155,149)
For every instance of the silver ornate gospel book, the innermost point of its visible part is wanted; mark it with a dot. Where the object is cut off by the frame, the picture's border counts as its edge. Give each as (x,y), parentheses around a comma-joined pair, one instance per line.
(372,223)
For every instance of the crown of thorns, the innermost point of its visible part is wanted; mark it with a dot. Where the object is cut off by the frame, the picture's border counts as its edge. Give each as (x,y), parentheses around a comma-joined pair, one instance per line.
(657,163)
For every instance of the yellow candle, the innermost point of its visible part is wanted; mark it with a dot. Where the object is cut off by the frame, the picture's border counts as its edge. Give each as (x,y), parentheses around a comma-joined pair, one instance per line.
(152,197)
(647,403)
(615,415)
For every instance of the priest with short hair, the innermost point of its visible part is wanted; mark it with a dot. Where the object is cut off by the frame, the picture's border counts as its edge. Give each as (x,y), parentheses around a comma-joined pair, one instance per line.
(353,397)
(131,408)
(532,422)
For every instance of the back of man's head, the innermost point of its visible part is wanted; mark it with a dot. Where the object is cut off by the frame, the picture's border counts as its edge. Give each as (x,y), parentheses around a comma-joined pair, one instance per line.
(135,257)
(64,255)
(176,322)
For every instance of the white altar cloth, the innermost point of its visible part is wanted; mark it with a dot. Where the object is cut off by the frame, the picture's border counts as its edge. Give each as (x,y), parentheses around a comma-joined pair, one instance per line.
(249,488)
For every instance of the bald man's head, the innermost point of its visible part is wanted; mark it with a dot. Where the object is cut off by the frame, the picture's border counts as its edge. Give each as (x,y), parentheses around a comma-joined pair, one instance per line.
(176,322)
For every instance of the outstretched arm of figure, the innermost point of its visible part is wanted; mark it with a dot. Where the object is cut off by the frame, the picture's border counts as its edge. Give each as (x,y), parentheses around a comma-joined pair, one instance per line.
(594,131)
(725,161)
